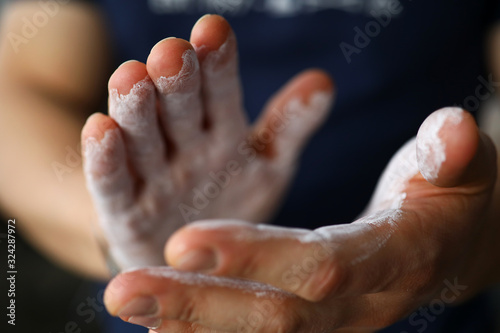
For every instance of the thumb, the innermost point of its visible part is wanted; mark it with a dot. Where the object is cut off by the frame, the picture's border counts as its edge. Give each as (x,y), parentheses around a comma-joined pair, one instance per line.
(452,151)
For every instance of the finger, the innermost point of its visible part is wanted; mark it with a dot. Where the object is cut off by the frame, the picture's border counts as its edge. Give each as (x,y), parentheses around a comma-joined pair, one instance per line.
(105,165)
(330,261)
(173,67)
(217,303)
(132,104)
(452,152)
(293,115)
(215,45)
(110,183)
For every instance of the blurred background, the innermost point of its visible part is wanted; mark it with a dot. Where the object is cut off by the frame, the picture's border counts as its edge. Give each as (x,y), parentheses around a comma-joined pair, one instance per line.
(47,297)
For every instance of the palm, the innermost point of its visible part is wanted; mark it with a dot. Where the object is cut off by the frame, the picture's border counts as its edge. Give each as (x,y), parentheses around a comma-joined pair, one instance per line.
(198,158)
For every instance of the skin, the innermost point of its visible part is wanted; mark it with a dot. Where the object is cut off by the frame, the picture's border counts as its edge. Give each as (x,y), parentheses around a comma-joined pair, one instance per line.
(203,135)
(40,93)
(334,294)
(330,292)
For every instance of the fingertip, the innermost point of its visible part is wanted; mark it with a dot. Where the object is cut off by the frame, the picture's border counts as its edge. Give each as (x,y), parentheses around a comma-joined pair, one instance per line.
(185,241)
(293,114)
(167,58)
(96,127)
(304,88)
(462,142)
(127,76)
(315,80)
(209,34)
(127,286)
(447,142)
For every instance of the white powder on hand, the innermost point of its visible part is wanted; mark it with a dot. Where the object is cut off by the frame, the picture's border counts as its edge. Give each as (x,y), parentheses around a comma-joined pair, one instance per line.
(431,150)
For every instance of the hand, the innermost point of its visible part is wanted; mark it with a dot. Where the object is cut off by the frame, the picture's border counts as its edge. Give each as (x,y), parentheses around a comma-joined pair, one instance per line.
(149,172)
(421,239)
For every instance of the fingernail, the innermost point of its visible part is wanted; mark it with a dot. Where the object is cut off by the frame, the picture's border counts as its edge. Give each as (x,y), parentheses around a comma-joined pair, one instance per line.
(197,261)
(148,322)
(142,306)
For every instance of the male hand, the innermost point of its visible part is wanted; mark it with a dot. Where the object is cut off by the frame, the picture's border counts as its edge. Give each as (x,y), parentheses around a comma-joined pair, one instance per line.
(427,234)
(177,146)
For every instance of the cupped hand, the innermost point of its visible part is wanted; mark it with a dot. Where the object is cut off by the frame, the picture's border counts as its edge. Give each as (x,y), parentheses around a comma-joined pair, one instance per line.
(427,234)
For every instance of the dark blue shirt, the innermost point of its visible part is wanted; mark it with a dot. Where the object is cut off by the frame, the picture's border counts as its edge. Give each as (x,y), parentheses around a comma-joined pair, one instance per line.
(394,62)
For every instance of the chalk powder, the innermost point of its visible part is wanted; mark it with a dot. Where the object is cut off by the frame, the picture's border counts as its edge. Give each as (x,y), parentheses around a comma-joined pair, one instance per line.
(431,149)
(196,279)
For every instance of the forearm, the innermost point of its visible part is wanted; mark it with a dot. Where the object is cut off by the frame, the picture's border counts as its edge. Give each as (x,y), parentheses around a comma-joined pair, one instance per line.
(48,200)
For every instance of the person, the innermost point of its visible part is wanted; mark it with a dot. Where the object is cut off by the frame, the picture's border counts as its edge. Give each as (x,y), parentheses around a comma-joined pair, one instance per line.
(427,236)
